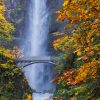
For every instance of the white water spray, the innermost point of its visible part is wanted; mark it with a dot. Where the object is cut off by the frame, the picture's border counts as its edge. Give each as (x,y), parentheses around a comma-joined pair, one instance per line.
(38,75)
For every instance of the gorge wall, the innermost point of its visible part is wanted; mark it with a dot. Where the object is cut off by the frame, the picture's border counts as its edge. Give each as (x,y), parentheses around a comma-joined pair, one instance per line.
(17,12)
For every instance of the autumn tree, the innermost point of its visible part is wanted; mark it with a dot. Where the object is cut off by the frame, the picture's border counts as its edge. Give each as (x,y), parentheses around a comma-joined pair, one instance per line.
(82,45)
(13,84)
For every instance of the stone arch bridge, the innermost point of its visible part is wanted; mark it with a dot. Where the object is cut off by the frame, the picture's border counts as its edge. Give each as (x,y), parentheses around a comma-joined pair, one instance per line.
(26,61)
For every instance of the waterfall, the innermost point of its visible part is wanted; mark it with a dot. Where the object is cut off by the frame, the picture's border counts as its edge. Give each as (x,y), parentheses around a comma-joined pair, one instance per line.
(38,75)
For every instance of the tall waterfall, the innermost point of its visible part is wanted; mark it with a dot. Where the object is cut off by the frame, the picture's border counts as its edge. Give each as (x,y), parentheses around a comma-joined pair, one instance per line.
(38,75)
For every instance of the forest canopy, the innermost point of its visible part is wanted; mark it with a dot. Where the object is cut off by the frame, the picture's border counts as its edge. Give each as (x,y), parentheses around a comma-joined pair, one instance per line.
(79,76)
(78,73)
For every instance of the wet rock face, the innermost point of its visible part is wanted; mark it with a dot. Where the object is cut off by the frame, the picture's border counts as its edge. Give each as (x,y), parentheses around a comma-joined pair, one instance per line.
(11,4)
(15,8)
(16,14)
(54,5)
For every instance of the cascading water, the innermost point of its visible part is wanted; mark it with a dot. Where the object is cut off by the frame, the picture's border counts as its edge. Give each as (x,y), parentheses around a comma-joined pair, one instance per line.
(38,75)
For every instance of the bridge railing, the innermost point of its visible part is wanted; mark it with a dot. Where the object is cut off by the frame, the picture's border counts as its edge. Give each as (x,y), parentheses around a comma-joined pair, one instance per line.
(31,59)
(26,61)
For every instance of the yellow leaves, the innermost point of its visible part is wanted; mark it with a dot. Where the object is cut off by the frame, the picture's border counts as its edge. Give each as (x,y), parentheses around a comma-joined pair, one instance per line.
(64,43)
(83,72)
(65,2)
(88,69)
(78,52)
(14,53)
(1,17)
(6,52)
(2,8)
(6,28)
(58,44)
(3,66)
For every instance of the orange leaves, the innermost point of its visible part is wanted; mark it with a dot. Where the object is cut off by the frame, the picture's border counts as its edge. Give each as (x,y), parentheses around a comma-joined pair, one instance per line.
(83,72)
(68,76)
(29,97)
(61,43)
(83,43)
(78,76)
(86,14)
(87,49)
(57,43)
(78,52)
(98,99)
(89,53)
(73,76)
(73,98)
(87,70)
(77,10)
(61,17)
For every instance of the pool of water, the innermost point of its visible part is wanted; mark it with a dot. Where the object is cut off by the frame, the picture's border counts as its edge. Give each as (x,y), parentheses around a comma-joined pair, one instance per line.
(42,96)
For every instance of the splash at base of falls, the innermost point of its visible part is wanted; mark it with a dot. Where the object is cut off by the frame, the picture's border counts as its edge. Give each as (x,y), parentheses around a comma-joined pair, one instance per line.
(42,96)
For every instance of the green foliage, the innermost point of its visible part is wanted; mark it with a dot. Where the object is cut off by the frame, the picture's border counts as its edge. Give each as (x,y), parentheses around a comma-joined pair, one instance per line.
(61,91)
(85,91)
(13,84)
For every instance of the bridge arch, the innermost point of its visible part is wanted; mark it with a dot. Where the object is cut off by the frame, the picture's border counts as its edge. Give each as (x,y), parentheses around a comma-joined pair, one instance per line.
(24,62)
(37,62)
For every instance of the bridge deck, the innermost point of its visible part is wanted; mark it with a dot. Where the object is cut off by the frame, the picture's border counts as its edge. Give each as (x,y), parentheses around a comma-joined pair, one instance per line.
(32,60)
